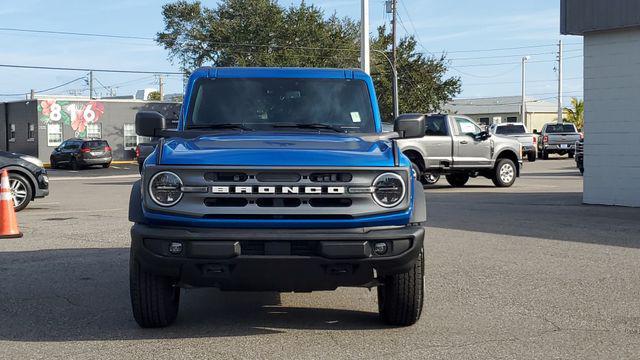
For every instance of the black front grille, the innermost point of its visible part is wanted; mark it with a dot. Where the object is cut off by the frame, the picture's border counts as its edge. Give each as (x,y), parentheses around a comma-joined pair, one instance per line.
(295,248)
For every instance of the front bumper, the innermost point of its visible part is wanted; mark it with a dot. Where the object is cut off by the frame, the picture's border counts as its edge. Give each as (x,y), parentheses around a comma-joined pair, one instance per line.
(42,189)
(275,259)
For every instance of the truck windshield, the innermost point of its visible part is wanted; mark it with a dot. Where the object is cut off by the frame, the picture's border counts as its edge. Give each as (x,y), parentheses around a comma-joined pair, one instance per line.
(281,104)
(510,129)
(561,128)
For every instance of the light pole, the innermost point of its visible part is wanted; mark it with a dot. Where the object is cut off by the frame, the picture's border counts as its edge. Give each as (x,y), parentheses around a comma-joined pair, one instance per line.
(523,106)
(364,38)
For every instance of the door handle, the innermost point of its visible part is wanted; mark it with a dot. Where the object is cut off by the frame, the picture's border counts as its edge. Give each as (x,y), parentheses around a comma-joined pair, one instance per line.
(464,142)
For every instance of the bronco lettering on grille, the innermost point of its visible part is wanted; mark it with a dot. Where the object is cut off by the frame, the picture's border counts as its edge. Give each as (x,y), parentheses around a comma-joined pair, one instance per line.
(309,190)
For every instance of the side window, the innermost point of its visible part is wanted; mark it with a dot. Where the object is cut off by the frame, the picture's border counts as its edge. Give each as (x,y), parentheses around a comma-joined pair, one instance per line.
(12,132)
(31,132)
(467,127)
(436,126)
(73,145)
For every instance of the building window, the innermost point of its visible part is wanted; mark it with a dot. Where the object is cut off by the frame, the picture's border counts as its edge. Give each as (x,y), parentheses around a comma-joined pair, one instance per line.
(31,132)
(512,119)
(484,121)
(130,137)
(54,134)
(12,132)
(94,131)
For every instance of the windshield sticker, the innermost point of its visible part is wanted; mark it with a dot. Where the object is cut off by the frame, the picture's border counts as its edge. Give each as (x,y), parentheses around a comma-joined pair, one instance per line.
(355,117)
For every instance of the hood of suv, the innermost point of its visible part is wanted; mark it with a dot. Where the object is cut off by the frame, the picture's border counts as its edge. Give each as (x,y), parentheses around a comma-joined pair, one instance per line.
(279,149)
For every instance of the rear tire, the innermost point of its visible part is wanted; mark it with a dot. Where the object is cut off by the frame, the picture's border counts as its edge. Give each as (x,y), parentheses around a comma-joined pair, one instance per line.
(105,166)
(53,164)
(430,179)
(457,180)
(154,299)
(545,155)
(531,156)
(504,174)
(401,296)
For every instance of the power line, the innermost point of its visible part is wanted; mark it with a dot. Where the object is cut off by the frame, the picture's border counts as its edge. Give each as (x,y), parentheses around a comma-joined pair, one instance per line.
(48,89)
(75,33)
(88,69)
(518,82)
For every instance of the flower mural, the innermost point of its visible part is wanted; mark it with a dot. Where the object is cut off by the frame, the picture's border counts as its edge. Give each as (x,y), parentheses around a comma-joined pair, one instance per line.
(75,114)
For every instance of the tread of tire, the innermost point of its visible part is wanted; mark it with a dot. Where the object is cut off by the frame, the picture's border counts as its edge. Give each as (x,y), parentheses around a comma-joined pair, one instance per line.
(150,301)
(403,296)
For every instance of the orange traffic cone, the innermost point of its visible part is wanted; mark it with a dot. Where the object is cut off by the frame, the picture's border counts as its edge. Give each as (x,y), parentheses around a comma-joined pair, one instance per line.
(8,220)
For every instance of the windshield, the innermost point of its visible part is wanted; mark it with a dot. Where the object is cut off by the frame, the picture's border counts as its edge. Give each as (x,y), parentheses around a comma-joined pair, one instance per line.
(510,129)
(561,128)
(281,104)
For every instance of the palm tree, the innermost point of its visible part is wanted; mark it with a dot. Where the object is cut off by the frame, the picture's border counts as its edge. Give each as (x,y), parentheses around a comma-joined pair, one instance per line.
(575,114)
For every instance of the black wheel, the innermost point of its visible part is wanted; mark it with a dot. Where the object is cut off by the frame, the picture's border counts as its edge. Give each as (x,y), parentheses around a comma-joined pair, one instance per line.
(457,180)
(106,165)
(531,156)
(21,191)
(430,178)
(154,299)
(504,173)
(73,164)
(401,296)
(417,170)
(545,155)
(571,154)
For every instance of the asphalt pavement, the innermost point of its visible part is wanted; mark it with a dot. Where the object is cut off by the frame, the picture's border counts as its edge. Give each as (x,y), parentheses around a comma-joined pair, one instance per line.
(523,272)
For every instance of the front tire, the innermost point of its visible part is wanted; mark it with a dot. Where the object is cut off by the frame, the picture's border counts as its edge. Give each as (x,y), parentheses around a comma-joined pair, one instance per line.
(105,166)
(154,299)
(401,296)
(457,180)
(21,191)
(430,178)
(504,173)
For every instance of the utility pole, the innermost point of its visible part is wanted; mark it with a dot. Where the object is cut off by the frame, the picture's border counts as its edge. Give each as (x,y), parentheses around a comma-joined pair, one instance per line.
(364,38)
(560,82)
(91,84)
(32,94)
(394,57)
(523,106)
(161,86)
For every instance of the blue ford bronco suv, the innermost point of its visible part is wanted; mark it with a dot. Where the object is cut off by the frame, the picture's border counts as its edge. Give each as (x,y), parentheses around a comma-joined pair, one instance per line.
(277,179)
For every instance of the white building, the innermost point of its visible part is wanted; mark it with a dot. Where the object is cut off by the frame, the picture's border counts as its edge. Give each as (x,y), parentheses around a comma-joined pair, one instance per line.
(503,109)
(611,31)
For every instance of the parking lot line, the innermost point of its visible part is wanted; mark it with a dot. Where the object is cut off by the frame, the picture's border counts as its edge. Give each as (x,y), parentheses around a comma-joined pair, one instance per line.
(68,178)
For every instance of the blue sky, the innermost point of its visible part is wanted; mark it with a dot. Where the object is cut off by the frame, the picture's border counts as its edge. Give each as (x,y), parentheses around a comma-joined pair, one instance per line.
(467,30)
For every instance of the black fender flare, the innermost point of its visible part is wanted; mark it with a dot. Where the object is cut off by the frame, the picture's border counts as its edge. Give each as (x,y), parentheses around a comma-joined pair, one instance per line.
(26,173)
(419,214)
(135,204)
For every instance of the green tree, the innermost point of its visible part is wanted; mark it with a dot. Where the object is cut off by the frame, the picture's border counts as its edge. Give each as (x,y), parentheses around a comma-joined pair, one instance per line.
(263,33)
(154,96)
(575,114)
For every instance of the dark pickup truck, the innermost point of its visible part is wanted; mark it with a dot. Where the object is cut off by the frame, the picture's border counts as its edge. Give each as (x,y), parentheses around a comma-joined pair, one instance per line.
(557,139)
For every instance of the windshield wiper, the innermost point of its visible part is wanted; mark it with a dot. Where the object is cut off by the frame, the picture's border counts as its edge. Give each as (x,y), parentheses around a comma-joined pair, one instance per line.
(315,126)
(219,126)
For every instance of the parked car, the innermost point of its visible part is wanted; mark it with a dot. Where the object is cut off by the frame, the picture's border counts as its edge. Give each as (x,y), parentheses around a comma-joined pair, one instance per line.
(28,179)
(580,155)
(519,132)
(143,150)
(557,139)
(79,153)
(455,146)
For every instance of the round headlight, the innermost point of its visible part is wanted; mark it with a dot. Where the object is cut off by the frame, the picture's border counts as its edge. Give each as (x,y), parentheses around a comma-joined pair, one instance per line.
(389,189)
(165,188)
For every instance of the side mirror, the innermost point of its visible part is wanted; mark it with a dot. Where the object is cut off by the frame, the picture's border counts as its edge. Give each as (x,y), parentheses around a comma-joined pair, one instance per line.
(483,135)
(150,123)
(410,125)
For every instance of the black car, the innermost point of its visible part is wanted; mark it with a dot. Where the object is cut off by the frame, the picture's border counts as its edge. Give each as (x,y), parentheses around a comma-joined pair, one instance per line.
(28,179)
(77,153)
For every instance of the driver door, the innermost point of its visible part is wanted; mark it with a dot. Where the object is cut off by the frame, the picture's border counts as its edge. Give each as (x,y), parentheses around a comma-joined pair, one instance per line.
(471,152)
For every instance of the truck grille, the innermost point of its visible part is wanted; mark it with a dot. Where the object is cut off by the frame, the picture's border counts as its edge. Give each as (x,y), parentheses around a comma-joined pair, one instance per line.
(275,194)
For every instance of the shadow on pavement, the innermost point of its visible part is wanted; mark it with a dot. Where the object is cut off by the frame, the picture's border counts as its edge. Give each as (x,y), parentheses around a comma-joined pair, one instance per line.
(83,294)
(545,215)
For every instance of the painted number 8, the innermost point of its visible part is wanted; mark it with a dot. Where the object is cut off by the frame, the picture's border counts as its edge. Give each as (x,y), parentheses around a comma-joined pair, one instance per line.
(56,112)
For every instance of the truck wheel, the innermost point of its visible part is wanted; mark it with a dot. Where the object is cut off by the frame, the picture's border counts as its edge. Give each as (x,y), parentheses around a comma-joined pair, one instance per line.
(504,173)
(154,298)
(531,156)
(430,178)
(457,180)
(545,155)
(416,169)
(400,297)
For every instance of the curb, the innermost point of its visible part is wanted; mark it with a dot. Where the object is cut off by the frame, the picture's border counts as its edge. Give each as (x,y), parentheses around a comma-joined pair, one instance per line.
(121,162)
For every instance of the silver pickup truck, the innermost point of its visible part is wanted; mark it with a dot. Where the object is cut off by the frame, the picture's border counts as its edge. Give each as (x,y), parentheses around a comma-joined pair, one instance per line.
(557,139)
(518,131)
(455,146)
